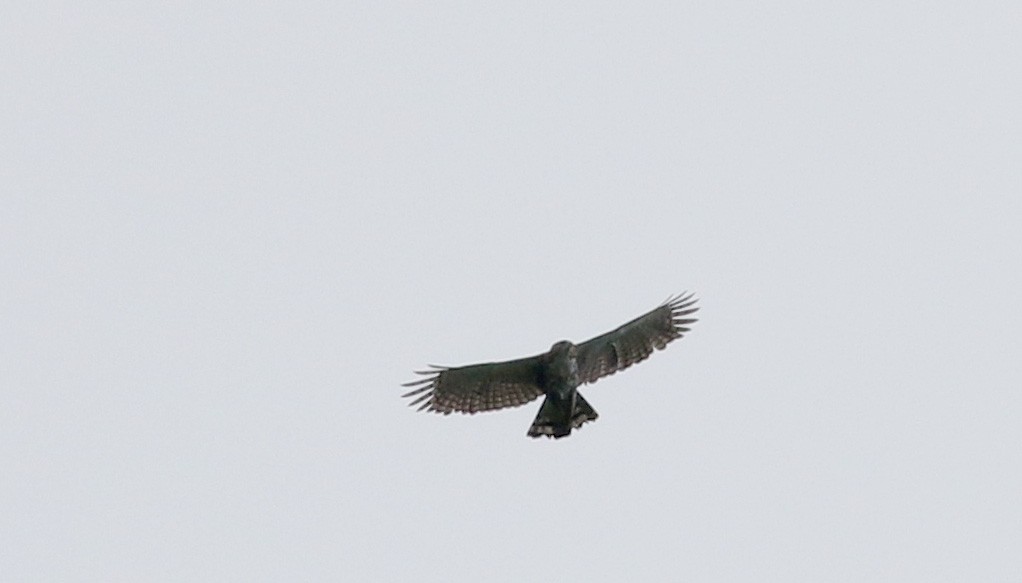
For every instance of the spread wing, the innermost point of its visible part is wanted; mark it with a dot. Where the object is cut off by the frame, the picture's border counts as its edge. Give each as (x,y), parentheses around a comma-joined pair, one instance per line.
(478,387)
(636,340)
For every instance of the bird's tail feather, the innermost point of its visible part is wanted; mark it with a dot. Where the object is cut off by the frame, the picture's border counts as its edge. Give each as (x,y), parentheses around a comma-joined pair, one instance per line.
(555,420)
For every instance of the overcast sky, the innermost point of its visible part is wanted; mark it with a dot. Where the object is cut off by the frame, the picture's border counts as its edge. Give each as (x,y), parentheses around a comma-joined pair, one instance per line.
(229,231)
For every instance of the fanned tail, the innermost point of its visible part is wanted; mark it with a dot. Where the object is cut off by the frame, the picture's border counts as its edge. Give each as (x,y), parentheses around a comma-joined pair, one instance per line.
(555,420)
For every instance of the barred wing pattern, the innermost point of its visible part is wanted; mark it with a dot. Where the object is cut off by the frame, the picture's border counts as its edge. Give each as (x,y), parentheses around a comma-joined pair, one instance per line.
(636,340)
(479,387)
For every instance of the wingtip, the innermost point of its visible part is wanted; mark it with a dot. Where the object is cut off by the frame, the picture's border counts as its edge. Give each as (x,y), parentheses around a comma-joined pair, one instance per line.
(681,298)
(682,307)
(416,390)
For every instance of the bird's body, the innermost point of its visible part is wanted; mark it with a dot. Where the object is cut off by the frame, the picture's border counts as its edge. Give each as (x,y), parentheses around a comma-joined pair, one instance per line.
(564,408)
(557,374)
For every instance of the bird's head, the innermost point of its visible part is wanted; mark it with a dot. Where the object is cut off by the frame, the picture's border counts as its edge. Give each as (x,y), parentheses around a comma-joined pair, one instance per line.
(563,348)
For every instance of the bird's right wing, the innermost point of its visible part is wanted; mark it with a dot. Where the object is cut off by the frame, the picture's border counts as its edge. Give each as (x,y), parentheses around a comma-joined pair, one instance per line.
(478,387)
(635,341)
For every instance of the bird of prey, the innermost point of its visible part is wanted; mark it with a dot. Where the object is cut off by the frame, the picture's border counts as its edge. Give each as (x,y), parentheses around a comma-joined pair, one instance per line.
(556,374)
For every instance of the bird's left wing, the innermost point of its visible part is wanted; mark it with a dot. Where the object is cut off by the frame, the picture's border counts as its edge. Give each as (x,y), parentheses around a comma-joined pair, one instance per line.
(636,340)
(478,387)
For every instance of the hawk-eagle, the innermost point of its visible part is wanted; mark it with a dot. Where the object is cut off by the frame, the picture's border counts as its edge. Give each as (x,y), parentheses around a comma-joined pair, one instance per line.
(556,374)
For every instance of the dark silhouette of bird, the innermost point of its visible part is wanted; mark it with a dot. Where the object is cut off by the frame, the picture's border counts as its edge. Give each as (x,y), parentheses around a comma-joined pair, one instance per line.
(556,374)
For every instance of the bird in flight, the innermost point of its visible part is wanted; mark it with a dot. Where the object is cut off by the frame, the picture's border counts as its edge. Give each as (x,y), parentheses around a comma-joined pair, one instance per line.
(557,374)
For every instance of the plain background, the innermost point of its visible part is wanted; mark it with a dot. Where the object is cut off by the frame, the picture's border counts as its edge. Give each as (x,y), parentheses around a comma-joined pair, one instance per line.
(229,231)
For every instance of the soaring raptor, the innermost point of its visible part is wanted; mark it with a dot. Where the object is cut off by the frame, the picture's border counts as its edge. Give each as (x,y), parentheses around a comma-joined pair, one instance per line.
(556,374)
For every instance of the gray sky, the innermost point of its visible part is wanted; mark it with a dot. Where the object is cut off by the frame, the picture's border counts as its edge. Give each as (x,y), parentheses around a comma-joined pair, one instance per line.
(229,232)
